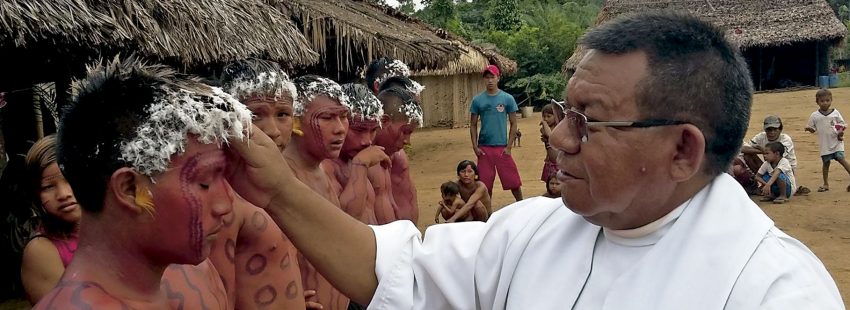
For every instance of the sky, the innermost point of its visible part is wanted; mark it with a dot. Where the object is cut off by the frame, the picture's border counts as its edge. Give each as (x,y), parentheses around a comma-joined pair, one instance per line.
(394,3)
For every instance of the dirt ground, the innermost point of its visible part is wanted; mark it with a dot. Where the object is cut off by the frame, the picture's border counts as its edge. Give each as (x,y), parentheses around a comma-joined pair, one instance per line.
(820,220)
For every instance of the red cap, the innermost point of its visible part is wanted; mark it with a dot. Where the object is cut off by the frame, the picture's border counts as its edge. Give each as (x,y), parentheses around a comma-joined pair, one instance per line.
(492,69)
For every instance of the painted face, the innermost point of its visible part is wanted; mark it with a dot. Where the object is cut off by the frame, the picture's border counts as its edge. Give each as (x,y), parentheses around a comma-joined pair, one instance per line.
(190,200)
(772,133)
(56,195)
(549,118)
(395,134)
(598,176)
(467,175)
(361,134)
(824,102)
(325,124)
(553,186)
(273,117)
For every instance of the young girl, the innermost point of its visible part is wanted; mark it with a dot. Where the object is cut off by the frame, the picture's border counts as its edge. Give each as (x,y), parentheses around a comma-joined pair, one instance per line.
(472,191)
(553,187)
(48,253)
(546,125)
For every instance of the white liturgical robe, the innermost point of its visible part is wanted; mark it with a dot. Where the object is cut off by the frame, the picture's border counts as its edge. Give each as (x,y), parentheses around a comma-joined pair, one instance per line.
(718,251)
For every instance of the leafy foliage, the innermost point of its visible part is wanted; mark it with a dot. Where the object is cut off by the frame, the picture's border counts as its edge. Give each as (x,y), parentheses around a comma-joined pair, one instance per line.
(538,34)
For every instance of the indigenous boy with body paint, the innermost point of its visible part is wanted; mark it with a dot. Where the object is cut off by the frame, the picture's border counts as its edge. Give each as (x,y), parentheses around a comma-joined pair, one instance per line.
(350,171)
(402,114)
(142,148)
(258,263)
(321,123)
(383,74)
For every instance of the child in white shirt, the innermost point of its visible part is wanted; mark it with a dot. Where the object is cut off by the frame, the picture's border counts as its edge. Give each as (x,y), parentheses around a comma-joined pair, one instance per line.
(776,175)
(829,125)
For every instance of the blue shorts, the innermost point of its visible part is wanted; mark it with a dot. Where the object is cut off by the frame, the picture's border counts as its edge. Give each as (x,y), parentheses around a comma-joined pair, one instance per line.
(774,189)
(837,155)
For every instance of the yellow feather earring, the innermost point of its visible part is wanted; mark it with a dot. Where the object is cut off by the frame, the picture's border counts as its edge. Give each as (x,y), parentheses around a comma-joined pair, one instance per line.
(144,199)
(296,127)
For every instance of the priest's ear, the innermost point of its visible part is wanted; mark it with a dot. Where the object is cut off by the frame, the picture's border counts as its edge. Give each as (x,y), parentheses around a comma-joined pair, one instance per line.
(689,154)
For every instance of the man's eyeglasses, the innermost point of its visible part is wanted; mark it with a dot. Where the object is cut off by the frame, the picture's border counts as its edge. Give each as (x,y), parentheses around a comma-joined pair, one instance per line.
(578,122)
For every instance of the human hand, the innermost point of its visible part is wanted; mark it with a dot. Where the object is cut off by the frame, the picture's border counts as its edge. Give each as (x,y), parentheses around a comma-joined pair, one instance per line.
(766,191)
(478,151)
(372,156)
(507,151)
(256,168)
(311,304)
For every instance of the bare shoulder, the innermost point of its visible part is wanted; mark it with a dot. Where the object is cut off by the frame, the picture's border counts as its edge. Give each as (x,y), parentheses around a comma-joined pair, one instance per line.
(80,295)
(39,249)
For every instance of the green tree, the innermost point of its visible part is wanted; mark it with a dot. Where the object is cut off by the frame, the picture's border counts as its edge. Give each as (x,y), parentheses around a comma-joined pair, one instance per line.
(406,6)
(504,15)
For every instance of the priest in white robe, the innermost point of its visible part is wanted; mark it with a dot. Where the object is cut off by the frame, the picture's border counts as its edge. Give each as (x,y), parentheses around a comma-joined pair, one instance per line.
(658,107)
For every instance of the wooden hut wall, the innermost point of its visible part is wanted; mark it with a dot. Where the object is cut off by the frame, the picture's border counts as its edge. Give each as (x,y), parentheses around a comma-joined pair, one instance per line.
(446,98)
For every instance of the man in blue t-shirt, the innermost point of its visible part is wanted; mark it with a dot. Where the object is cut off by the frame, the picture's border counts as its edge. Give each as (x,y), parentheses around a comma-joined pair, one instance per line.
(493,143)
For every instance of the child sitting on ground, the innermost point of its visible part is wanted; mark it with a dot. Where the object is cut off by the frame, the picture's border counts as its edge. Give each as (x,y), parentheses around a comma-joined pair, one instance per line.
(829,125)
(553,187)
(452,203)
(776,175)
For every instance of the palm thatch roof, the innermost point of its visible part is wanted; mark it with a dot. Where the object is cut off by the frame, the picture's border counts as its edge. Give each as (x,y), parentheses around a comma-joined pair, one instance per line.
(187,31)
(473,58)
(748,23)
(363,31)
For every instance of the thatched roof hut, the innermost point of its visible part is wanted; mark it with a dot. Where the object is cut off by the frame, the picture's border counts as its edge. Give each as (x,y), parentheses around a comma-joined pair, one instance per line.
(752,24)
(351,33)
(188,33)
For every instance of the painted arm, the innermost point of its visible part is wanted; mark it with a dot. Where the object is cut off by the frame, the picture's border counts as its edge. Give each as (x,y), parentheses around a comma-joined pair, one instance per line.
(340,247)
(354,197)
(511,133)
(41,268)
(473,134)
(384,201)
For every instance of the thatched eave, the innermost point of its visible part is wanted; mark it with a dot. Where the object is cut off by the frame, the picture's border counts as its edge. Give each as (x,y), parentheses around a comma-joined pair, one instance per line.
(750,23)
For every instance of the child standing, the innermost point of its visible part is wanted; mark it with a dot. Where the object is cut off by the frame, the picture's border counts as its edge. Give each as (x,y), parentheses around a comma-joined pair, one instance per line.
(546,125)
(776,175)
(829,125)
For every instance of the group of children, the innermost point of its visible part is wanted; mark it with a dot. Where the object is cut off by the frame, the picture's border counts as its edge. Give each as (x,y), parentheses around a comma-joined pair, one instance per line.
(774,178)
(467,199)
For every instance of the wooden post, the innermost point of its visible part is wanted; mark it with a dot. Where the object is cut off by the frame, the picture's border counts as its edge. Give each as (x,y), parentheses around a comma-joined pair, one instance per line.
(761,61)
(36,109)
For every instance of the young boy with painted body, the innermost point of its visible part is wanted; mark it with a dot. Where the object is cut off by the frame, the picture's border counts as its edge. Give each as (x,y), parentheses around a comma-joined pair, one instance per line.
(402,115)
(258,263)
(473,192)
(776,175)
(829,126)
(383,74)
(321,123)
(350,171)
(142,148)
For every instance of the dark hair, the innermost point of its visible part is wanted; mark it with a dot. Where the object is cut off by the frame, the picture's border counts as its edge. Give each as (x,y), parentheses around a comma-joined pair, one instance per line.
(777,147)
(449,188)
(377,68)
(407,106)
(256,77)
(547,109)
(397,81)
(694,75)
(463,163)
(823,93)
(41,155)
(109,104)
